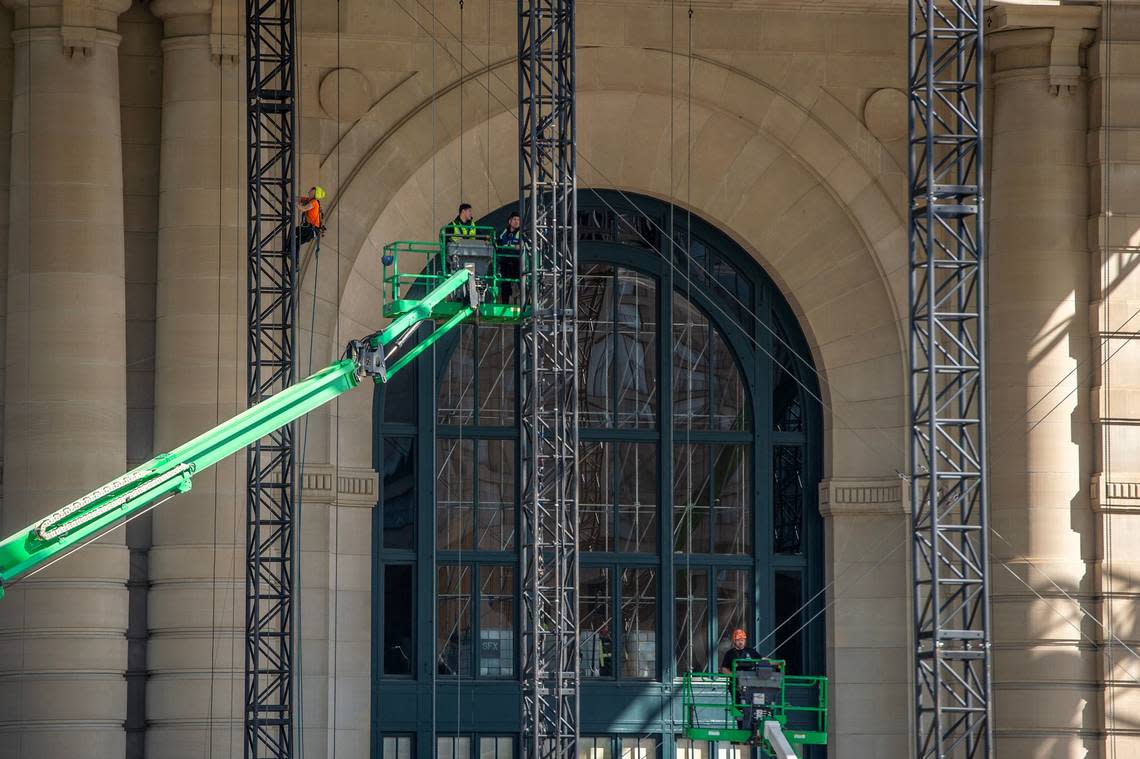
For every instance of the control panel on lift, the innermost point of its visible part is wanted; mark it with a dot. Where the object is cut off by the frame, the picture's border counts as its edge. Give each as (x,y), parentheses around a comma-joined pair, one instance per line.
(757,703)
(412,268)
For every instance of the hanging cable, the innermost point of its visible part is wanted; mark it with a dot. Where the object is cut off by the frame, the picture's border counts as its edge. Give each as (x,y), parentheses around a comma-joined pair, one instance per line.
(792,351)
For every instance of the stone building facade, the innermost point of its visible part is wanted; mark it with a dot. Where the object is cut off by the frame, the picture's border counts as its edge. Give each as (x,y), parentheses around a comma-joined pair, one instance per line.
(122,216)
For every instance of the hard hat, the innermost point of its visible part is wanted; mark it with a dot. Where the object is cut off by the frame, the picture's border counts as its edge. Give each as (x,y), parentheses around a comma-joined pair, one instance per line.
(318,192)
(739,634)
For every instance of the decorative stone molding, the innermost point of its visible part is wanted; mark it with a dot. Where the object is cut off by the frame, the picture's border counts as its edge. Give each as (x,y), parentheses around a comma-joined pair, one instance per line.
(1065,30)
(354,487)
(1120,495)
(858,496)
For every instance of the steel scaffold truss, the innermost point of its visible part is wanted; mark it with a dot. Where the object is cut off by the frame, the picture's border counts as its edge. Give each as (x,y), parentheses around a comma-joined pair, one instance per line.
(272,279)
(549,431)
(947,361)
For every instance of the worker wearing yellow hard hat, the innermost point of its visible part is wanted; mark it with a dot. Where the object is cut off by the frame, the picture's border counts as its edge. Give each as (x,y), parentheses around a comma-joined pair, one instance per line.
(310,206)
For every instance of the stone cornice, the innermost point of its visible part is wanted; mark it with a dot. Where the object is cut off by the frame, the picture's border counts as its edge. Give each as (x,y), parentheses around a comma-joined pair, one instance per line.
(353,487)
(1062,32)
(859,496)
(1121,494)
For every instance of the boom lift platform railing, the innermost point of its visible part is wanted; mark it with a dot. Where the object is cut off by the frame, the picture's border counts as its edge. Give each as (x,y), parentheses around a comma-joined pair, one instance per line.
(451,294)
(757,703)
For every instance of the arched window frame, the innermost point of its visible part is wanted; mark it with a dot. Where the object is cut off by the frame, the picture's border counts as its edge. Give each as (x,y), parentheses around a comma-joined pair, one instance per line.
(750,344)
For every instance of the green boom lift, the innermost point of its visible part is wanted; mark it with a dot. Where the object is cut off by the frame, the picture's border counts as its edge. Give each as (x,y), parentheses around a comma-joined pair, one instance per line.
(457,280)
(756,703)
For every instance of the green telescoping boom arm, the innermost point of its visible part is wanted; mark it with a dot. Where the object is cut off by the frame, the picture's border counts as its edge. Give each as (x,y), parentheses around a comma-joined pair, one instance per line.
(108,506)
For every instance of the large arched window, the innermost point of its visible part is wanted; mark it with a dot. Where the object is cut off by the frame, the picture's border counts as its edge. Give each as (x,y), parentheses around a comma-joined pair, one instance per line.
(699,460)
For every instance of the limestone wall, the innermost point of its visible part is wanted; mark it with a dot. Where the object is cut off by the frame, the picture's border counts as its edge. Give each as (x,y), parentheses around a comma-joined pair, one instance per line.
(783,125)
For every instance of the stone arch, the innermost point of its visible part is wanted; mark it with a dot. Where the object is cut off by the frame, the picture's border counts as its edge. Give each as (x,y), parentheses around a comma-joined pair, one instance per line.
(786,172)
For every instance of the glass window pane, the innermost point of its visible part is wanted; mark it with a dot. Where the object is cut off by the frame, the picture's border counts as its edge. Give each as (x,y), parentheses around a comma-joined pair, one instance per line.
(399,612)
(594,747)
(733,605)
(691,497)
(496,622)
(454,497)
(692,371)
(456,400)
(496,747)
(787,408)
(730,507)
(400,396)
(787,498)
(734,290)
(690,749)
(595,346)
(595,622)
(729,409)
(730,751)
(595,497)
(496,375)
(496,510)
(453,747)
(636,350)
(637,498)
(639,622)
(453,633)
(691,591)
(638,748)
(788,636)
(399,485)
(397,747)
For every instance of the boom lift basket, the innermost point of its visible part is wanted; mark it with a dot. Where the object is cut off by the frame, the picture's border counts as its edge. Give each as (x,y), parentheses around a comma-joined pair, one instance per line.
(412,268)
(734,707)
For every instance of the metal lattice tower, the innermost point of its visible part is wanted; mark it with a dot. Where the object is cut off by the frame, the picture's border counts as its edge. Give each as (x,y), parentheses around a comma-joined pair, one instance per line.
(947,363)
(549,417)
(272,279)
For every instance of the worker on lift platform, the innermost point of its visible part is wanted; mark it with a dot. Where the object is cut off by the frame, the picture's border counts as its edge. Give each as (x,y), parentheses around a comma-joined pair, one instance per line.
(510,247)
(462,227)
(310,206)
(740,650)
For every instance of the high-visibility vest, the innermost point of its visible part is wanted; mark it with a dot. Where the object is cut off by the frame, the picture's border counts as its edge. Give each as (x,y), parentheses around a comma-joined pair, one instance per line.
(313,215)
(458,229)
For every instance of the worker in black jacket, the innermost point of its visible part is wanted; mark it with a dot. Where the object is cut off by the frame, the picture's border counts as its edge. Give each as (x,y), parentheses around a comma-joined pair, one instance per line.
(509,248)
(740,650)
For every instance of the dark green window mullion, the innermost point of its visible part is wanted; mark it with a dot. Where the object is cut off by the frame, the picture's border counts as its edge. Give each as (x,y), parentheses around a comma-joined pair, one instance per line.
(763,538)
(666,607)
(617,634)
(815,641)
(426,580)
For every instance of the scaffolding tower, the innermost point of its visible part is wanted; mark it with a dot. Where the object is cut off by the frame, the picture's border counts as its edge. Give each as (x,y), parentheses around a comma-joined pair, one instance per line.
(947,374)
(272,280)
(549,419)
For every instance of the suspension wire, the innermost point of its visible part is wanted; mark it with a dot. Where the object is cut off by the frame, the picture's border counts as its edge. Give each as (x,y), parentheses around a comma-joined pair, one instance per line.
(336,408)
(1106,411)
(217,407)
(793,352)
(435,614)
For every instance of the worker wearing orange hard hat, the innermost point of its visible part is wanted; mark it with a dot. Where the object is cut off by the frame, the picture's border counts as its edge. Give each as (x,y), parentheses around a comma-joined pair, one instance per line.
(739,650)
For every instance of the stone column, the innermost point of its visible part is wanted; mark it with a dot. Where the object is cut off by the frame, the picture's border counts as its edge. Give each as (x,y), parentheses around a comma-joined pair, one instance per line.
(1045,671)
(1114,157)
(196,603)
(62,645)
(868,662)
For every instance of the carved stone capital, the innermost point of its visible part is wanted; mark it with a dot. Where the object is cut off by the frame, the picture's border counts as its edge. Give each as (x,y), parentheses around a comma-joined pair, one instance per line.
(1041,41)
(340,486)
(202,24)
(859,496)
(80,24)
